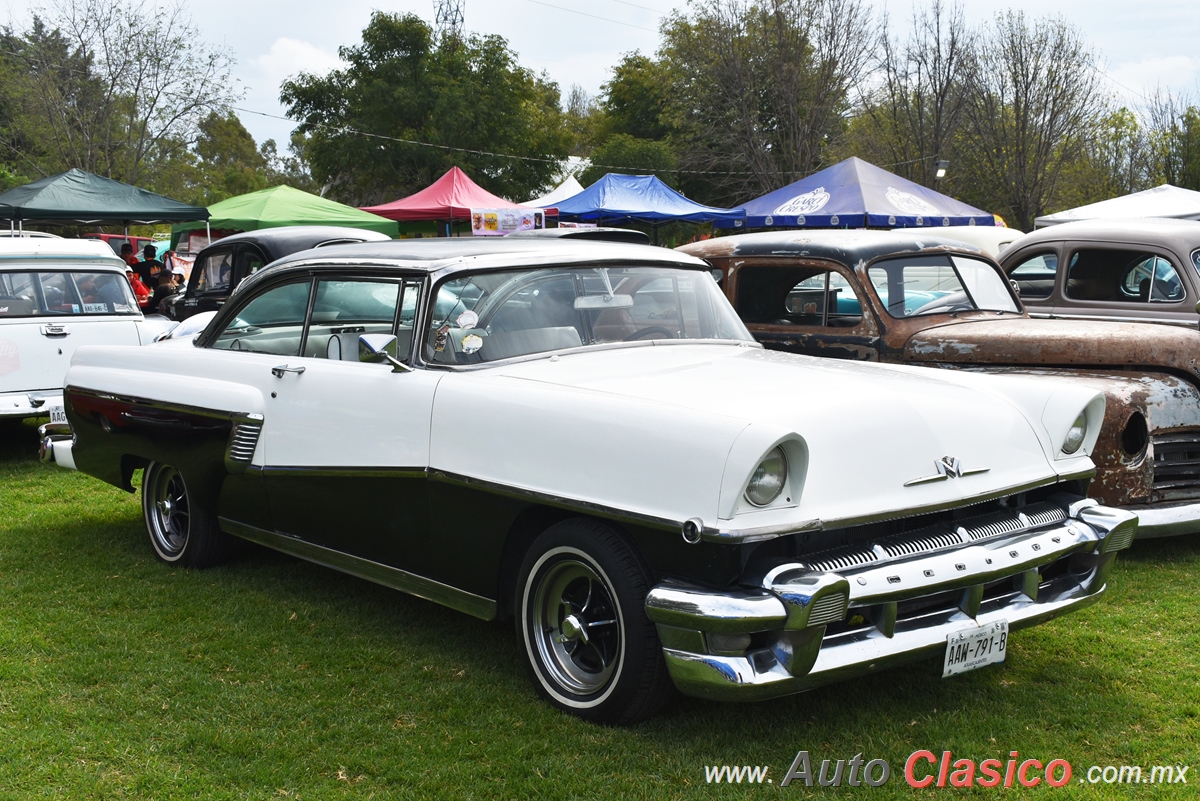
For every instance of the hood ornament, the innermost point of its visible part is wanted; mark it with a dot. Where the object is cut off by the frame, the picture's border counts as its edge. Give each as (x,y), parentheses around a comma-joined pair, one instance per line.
(946,467)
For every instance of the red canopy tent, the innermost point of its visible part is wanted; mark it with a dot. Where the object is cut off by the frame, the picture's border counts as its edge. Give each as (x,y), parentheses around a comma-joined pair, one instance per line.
(450,197)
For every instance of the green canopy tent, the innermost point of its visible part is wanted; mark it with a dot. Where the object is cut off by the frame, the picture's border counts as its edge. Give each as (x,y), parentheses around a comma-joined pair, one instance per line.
(76,197)
(279,206)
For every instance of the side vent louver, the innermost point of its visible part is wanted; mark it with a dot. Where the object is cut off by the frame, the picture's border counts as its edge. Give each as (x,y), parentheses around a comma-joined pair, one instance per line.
(242,442)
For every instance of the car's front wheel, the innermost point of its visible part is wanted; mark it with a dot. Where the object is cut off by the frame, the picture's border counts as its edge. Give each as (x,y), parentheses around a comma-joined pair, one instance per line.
(591,648)
(181,532)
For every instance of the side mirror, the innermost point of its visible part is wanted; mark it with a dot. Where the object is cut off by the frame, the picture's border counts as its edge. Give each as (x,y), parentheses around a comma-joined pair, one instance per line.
(380,348)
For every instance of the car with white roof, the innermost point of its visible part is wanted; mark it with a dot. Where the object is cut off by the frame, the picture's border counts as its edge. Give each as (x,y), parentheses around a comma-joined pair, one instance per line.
(581,437)
(56,295)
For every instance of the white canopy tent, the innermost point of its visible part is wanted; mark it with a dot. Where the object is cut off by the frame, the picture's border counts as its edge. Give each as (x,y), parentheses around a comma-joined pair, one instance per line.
(1161,201)
(568,188)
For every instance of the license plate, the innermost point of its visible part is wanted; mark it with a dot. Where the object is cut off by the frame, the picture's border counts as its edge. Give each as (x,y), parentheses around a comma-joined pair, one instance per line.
(57,414)
(974,648)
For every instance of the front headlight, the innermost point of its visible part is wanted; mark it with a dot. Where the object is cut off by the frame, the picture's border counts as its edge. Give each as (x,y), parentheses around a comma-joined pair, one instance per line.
(1075,435)
(769,478)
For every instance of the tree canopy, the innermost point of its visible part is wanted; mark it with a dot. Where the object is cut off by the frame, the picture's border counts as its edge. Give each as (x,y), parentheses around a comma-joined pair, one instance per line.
(408,107)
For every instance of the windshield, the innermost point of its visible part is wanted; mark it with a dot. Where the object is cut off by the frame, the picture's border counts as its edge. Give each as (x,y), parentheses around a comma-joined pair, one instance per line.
(939,284)
(59,292)
(497,315)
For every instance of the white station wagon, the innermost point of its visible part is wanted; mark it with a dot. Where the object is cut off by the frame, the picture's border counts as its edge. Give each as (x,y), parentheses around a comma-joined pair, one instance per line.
(55,295)
(582,437)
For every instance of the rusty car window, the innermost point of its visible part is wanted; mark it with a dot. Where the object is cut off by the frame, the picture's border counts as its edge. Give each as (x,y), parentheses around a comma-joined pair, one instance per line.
(1036,275)
(800,296)
(1122,276)
(935,284)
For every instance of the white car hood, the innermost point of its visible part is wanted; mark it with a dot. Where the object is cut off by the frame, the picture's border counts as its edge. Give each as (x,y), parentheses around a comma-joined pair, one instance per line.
(671,412)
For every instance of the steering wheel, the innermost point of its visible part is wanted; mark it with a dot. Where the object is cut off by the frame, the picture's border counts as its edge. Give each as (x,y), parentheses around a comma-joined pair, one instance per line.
(651,329)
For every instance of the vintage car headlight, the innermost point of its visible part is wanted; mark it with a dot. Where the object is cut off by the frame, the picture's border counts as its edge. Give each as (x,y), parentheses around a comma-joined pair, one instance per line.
(769,478)
(1075,434)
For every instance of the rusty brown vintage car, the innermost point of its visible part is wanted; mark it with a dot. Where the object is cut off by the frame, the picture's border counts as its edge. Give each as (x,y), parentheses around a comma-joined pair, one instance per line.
(928,300)
(1129,270)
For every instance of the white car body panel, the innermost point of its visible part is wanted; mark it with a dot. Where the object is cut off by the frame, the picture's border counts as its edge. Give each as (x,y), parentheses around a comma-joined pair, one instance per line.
(35,351)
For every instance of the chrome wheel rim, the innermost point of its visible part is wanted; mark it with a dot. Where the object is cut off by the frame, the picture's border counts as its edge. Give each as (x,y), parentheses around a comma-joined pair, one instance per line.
(168,511)
(576,626)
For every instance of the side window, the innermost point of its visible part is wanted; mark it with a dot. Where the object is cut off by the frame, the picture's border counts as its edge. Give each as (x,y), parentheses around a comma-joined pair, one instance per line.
(214,270)
(1035,275)
(1196,260)
(272,322)
(249,261)
(345,309)
(100,293)
(798,296)
(1123,276)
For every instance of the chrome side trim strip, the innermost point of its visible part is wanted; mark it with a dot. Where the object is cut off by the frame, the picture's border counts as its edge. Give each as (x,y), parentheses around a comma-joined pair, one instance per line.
(394,577)
(343,472)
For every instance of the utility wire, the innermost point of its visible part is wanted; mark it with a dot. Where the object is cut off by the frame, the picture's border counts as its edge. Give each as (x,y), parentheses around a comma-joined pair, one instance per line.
(593,16)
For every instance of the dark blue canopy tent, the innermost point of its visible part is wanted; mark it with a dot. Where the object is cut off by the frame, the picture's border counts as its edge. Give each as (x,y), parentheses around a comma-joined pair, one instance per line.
(639,197)
(855,194)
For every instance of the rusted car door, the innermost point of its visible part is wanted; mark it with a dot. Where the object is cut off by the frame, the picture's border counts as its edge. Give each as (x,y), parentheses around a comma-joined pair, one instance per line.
(813,308)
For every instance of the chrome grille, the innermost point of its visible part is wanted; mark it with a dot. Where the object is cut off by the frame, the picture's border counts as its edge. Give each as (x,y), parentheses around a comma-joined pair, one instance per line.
(906,544)
(938,537)
(1176,464)
(828,609)
(243,440)
(837,559)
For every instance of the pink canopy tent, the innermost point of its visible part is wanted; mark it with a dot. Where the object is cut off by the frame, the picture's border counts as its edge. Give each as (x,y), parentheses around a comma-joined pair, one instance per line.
(450,197)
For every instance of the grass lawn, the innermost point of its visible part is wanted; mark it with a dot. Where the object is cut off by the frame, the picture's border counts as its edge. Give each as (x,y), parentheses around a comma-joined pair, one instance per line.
(273,678)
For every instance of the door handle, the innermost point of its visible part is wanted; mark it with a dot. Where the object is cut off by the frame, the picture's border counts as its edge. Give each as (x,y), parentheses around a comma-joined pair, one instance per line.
(283,368)
(55,330)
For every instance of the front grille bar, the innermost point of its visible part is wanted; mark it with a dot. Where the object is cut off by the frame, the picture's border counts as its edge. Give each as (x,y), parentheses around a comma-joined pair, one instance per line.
(940,536)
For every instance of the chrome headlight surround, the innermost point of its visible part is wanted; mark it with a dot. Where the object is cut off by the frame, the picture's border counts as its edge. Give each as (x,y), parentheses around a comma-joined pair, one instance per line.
(769,479)
(1076,435)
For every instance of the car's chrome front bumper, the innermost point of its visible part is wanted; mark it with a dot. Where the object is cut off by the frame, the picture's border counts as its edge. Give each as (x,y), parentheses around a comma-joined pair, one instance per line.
(808,627)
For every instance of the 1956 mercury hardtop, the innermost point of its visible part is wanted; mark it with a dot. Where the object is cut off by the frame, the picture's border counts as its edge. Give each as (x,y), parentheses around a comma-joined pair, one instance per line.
(583,437)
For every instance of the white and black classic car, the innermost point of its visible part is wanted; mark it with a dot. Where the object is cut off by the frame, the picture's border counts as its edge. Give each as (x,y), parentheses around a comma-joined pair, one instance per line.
(583,437)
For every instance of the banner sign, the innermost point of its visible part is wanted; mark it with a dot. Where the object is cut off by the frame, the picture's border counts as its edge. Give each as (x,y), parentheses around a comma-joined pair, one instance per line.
(498,222)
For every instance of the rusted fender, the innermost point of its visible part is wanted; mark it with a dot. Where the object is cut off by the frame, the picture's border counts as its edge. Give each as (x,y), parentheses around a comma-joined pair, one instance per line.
(1124,453)
(1087,343)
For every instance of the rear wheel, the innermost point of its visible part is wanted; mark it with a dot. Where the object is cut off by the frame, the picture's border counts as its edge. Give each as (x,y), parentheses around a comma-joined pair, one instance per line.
(181,533)
(589,645)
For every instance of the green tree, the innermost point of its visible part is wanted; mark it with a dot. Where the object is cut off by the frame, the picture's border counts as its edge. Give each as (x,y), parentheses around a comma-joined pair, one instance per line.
(758,90)
(407,108)
(631,156)
(1035,102)
(115,88)
(1174,141)
(230,162)
(636,100)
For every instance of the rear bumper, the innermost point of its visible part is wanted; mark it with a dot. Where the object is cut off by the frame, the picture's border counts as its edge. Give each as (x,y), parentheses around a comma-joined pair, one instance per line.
(805,627)
(31,403)
(55,445)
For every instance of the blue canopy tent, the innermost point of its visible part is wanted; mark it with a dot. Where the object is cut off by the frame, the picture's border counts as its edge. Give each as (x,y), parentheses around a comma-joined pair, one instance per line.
(856,194)
(639,197)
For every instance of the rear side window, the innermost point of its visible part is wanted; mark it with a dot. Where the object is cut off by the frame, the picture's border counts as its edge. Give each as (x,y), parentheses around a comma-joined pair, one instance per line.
(65,293)
(1122,276)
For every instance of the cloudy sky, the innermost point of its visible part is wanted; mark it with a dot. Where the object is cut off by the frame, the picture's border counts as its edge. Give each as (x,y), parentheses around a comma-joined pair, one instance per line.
(1143,45)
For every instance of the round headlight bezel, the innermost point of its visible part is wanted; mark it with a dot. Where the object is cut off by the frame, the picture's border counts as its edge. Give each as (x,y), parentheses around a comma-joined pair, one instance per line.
(769,479)
(1076,435)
